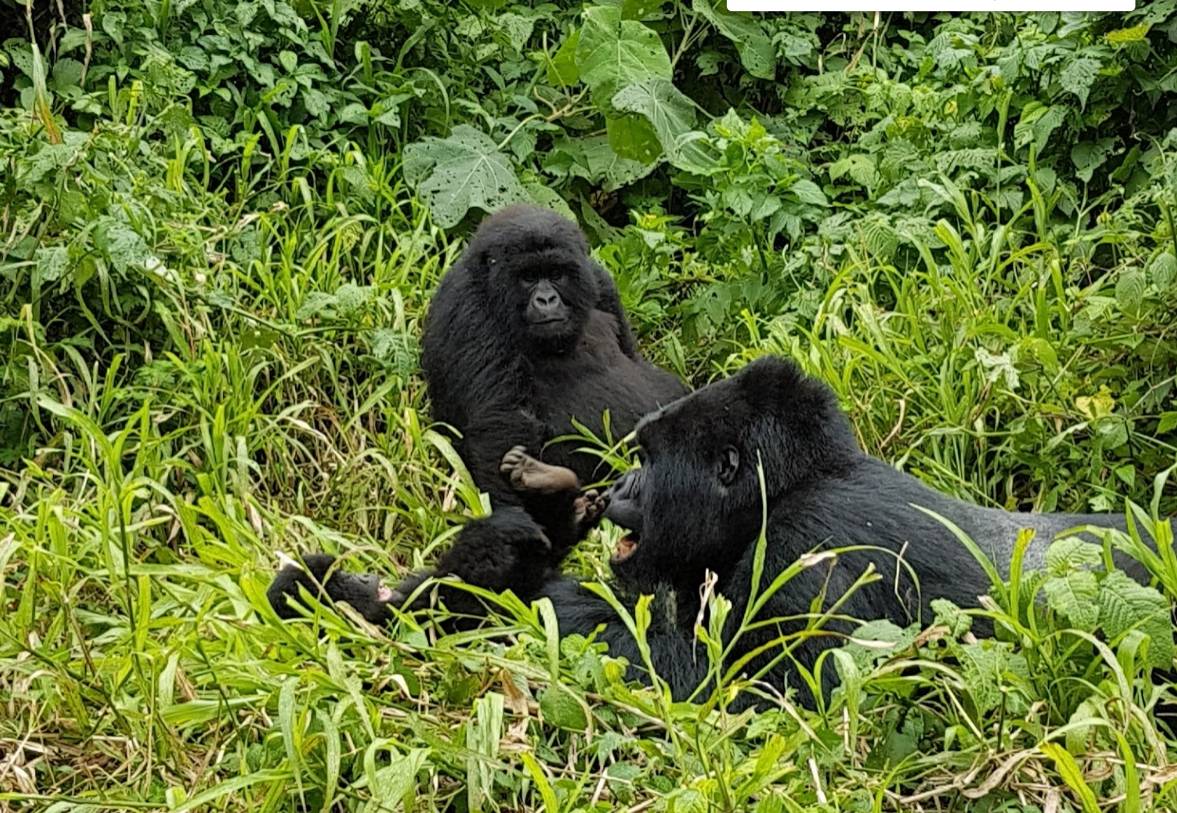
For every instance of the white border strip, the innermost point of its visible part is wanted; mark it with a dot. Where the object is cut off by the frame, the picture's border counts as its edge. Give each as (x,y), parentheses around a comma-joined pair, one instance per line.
(932,5)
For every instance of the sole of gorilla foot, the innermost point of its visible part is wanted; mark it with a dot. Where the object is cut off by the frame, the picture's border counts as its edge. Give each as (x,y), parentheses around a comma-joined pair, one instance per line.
(530,476)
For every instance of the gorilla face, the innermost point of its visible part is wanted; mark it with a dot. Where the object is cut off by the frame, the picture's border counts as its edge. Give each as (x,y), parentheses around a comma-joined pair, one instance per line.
(696,503)
(539,274)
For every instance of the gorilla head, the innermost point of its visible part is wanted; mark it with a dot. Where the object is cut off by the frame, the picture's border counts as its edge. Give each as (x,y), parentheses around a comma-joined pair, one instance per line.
(536,274)
(695,503)
(366,593)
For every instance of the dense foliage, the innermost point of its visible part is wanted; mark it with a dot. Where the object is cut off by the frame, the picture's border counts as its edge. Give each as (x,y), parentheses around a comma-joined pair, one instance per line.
(219,227)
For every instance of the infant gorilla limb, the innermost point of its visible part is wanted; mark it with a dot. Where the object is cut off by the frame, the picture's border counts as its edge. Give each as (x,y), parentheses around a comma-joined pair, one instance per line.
(517,548)
(318,576)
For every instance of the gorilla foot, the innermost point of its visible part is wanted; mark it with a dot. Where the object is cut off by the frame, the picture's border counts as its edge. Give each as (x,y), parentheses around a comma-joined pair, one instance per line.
(530,476)
(589,507)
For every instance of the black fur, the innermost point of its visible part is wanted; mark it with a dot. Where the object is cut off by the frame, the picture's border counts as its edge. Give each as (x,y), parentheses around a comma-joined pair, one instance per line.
(501,379)
(695,506)
(691,513)
(320,578)
(511,549)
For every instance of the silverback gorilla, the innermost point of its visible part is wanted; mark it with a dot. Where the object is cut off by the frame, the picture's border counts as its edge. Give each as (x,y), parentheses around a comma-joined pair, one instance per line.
(526,333)
(695,506)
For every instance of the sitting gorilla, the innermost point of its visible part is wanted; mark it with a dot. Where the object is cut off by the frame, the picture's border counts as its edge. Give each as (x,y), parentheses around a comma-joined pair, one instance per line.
(526,333)
(695,505)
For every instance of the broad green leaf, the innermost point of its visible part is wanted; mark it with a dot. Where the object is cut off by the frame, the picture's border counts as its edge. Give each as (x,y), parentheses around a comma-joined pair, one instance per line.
(745,31)
(633,137)
(983,664)
(1094,407)
(1162,271)
(1090,156)
(686,800)
(594,160)
(562,69)
(612,53)
(1071,553)
(876,640)
(121,244)
(1074,596)
(1125,604)
(1079,76)
(545,196)
(518,29)
(670,113)
(1168,422)
(52,263)
(561,709)
(456,174)
(858,167)
(1130,289)
(951,616)
(1037,123)
(809,192)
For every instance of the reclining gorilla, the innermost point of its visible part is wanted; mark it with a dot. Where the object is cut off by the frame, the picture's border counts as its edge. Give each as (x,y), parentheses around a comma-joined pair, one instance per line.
(695,505)
(526,333)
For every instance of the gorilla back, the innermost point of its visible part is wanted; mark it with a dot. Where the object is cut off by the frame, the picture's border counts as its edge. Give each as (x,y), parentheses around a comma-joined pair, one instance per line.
(525,334)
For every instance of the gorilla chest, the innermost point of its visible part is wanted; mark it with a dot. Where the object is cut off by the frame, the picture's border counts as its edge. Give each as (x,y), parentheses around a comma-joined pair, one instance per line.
(593,377)
(585,387)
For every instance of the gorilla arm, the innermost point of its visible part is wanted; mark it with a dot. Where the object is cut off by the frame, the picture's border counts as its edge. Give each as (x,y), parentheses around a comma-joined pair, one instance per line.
(504,550)
(486,438)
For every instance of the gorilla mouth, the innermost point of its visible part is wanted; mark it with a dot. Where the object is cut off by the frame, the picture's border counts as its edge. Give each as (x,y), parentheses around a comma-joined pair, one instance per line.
(551,320)
(626,547)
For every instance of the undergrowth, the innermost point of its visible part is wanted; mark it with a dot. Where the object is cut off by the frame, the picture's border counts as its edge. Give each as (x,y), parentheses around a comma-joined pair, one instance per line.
(220,225)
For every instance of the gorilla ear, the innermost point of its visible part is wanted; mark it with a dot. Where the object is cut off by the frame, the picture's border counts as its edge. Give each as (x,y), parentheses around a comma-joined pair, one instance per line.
(729,465)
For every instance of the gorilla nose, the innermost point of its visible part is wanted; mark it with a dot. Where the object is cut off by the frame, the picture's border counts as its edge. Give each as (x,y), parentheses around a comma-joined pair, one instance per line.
(546,301)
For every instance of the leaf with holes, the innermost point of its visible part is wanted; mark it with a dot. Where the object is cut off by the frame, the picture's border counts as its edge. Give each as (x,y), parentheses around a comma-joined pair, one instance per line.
(456,174)
(669,112)
(1079,76)
(52,263)
(121,244)
(612,53)
(757,52)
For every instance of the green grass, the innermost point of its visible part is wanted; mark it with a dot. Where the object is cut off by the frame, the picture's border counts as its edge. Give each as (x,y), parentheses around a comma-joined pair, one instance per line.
(143,668)
(209,328)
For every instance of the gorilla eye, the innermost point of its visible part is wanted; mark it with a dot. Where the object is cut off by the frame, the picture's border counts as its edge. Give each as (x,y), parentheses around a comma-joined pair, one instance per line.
(729,465)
